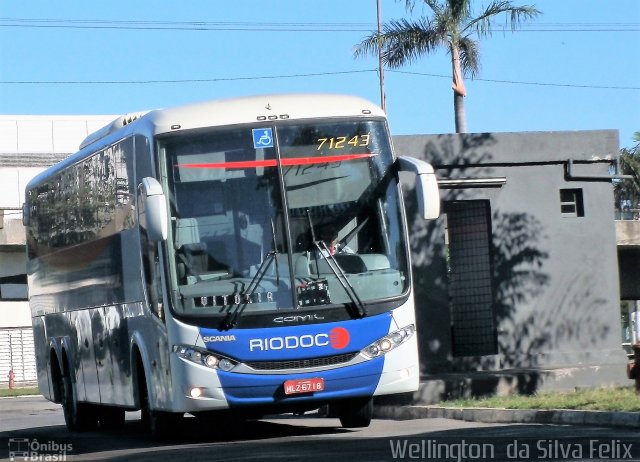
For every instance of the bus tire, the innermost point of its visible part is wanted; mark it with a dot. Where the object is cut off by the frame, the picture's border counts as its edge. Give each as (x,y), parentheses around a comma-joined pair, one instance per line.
(158,424)
(354,413)
(56,378)
(79,417)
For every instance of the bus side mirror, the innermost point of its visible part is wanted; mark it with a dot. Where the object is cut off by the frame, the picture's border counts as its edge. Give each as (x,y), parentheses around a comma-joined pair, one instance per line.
(426,186)
(154,210)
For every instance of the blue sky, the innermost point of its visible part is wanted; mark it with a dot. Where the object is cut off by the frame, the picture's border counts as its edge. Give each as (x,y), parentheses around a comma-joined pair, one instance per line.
(575,68)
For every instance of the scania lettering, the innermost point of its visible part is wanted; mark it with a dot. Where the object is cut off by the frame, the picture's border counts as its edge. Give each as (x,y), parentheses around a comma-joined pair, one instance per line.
(219,338)
(243,255)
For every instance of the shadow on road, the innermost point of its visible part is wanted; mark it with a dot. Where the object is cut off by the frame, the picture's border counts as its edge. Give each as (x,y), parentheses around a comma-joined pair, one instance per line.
(317,439)
(132,439)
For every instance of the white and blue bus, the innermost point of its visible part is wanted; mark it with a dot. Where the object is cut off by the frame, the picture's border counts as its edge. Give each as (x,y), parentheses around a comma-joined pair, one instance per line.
(248,255)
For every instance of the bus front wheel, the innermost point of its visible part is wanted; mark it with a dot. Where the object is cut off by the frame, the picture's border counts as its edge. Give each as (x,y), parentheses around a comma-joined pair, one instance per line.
(156,423)
(353,413)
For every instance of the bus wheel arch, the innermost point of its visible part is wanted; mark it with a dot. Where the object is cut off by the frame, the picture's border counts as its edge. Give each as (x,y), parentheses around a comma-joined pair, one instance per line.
(159,424)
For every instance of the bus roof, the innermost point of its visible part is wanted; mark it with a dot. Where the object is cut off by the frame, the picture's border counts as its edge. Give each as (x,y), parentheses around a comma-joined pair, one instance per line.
(222,112)
(244,110)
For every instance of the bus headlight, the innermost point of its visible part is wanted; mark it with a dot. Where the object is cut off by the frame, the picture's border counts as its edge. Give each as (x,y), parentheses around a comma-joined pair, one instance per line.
(225,364)
(388,342)
(203,357)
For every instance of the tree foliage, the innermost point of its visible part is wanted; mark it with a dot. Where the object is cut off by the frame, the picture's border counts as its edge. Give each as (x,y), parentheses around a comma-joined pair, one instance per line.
(451,25)
(627,191)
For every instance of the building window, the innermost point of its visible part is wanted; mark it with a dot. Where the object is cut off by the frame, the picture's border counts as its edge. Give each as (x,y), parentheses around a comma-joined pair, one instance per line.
(571,204)
(14,288)
(473,320)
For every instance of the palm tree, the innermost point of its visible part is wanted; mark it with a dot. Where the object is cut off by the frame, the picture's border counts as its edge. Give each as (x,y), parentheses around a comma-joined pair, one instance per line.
(451,26)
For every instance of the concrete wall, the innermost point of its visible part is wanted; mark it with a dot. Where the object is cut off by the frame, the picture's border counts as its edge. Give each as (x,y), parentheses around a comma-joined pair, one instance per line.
(14,314)
(555,278)
(47,134)
(12,184)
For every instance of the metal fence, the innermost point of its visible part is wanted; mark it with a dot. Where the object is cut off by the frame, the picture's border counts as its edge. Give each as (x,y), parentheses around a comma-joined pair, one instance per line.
(627,214)
(17,354)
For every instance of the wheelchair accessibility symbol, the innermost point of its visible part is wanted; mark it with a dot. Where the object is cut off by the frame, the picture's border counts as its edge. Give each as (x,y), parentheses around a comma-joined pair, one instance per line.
(262,138)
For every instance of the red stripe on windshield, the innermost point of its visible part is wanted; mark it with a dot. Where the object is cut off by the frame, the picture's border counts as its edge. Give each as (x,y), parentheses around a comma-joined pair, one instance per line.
(240,164)
(285,162)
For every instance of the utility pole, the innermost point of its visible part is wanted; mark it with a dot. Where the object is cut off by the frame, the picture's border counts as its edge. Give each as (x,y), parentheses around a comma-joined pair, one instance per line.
(383,99)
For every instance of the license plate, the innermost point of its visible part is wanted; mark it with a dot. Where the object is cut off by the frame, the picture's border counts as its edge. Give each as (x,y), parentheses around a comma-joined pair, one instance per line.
(292,387)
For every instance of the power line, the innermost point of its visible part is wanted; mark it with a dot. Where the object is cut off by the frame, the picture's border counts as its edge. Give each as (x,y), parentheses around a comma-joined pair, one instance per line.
(218,79)
(282,26)
(516,82)
(188,25)
(311,74)
(189,28)
(203,23)
(297,23)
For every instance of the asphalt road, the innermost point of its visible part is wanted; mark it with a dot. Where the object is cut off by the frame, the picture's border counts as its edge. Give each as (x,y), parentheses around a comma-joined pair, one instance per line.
(34,423)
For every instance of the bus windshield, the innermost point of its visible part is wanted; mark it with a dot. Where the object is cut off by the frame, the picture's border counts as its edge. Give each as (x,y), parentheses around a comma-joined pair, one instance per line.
(284,216)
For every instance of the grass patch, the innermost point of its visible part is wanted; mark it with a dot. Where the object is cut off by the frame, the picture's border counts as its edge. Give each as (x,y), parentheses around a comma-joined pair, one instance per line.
(598,399)
(4,392)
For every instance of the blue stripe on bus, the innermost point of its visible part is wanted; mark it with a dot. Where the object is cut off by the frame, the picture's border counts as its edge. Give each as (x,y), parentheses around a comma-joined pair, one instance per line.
(297,342)
(355,381)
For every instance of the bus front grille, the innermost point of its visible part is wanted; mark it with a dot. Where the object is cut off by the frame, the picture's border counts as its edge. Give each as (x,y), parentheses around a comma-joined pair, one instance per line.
(301,363)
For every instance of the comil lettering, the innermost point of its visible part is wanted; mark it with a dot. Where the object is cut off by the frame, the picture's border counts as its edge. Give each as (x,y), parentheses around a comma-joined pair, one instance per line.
(298,318)
(288,343)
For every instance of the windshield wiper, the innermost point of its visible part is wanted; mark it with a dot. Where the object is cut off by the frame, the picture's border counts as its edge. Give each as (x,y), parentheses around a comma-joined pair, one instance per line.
(350,235)
(231,320)
(360,310)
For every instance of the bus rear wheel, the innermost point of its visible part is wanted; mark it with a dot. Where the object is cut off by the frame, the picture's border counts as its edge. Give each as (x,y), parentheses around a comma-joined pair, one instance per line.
(79,417)
(353,413)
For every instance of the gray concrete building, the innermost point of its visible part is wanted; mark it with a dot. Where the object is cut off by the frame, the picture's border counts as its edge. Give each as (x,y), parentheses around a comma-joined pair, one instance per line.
(517,283)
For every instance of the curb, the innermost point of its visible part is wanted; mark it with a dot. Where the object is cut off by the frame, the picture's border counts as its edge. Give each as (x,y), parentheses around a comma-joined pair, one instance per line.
(492,415)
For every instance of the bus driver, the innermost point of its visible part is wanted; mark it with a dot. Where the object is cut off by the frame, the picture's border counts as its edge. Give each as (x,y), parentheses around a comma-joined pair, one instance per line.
(329,236)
